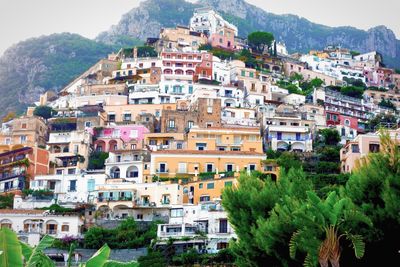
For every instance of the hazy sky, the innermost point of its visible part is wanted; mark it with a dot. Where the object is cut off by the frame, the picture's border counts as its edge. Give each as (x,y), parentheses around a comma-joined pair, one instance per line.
(22,19)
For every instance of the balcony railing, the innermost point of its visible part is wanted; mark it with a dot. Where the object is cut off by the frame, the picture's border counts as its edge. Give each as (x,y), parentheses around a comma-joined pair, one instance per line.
(162,171)
(109,199)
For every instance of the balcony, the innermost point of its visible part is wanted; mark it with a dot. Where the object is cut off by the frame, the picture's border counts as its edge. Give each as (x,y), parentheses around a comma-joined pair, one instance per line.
(162,171)
(110,199)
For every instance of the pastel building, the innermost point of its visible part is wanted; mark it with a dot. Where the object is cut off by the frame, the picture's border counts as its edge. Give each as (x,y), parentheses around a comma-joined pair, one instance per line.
(32,225)
(186,222)
(118,199)
(360,147)
(118,137)
(225,139)
(190,163)
(127,164)
(18,167)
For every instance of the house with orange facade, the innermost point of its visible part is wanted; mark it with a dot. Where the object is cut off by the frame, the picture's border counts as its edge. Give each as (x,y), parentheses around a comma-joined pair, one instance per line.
(19,166)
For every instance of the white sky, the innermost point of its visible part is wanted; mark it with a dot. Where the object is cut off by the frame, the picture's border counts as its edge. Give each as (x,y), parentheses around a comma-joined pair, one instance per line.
(22,19)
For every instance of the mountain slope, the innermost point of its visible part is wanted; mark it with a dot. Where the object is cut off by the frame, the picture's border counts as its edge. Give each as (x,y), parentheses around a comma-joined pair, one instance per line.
(298,33)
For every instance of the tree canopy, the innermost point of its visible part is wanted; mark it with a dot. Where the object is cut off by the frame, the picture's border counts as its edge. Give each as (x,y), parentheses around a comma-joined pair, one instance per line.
(45,112)
(258,41)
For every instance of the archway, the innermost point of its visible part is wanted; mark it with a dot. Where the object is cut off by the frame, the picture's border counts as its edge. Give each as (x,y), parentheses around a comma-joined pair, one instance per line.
(100,145)
(132,172)
(6,223)
(115,172)
(113,144)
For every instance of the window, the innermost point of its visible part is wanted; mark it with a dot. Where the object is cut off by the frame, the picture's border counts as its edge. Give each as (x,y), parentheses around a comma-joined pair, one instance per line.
(133,146)
(72,186)
(8,141)
(111,117)
(127,117)
(23,139)
(182,167)
(59,172)
(253,87)
(91,185)
(374,148)
(139,216)
(71,171)
(200,185)
(229,183)
(201,146)
(347,122)
(190,89)
(210,186)
(222,245)
(355,149)
(76,149)
(190,124)
(23,126)
(209,167)
(176,213)
(252,167)
(171,124)
(251,74)
(163,168)
(65,228)
(243,73)
(179,146)
(229,167)
(88,124)
(223,226)
(204,198)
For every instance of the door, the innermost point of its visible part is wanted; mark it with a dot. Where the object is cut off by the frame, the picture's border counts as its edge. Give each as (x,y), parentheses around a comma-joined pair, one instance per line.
(279,136)
(223,226)
(298,137)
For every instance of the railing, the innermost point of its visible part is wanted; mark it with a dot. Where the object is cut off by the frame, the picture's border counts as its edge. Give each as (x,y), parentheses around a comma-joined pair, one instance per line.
(51,232)
(302,139)
(162,171)
(108,199)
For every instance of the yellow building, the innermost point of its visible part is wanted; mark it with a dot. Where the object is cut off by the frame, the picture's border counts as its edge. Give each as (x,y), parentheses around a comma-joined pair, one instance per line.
(189,163)
(225,139)
(206,189)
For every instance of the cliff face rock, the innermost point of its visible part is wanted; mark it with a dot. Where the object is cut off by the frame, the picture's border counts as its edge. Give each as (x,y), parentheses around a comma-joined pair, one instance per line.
(34,66)
(299,34)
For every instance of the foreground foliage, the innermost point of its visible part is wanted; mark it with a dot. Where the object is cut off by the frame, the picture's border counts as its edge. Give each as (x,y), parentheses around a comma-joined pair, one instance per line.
(14,253)
(291,223)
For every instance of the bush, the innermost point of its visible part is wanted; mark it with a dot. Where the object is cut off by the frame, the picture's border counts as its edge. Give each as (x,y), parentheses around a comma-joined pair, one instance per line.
(43,111)
(97,159)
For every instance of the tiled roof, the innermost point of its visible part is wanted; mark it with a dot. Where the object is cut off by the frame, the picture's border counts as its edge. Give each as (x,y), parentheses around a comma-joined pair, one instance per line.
(11,211)
(208,152)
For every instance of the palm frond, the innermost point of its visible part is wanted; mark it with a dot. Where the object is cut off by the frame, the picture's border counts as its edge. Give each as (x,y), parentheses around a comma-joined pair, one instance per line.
(358,244)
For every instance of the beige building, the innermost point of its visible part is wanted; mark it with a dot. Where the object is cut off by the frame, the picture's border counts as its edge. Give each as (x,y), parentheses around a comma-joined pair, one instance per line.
(179,38)
(24,131)
(377,96)
(247,139)
(360,147)
(118,199)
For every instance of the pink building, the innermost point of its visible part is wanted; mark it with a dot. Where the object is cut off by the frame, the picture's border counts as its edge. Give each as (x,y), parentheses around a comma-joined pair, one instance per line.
(360,147)
(379,77)
(182,65)
(224,39)
(122,137)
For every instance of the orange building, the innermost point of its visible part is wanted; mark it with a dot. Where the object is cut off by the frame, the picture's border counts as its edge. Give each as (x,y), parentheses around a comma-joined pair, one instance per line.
(19,166)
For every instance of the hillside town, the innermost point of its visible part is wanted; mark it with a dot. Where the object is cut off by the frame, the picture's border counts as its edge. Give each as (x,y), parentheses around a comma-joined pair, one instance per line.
(156,133)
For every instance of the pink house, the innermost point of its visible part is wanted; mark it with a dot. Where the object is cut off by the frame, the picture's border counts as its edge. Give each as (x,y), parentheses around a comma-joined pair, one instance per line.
(380,77)
(225,39)
(124,137)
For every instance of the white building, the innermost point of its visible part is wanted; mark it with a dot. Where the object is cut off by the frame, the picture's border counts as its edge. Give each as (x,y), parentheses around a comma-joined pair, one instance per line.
(118,199)
(221,71)
(127,164)
(208,21)
(69,190)
(189,221)
(31,225)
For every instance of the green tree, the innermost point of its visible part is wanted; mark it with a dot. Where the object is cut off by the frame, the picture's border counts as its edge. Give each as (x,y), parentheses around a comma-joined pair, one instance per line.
(387,104)
(10,115)
(288,160)
(382,120)
(352,91)
(6,201)
(45,112)
(321,224)
(250,204)
(259,41)
(97,159)
(146,51)
(375,187)
(331,137)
